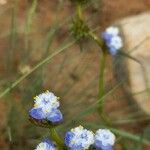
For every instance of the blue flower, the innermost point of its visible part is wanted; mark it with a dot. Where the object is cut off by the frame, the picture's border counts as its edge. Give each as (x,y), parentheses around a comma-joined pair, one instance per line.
(79,138)
(45,145)
(112,39)
(104,139)
(46,107)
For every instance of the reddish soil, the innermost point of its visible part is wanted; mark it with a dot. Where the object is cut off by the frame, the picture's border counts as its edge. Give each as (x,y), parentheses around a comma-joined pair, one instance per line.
(111,11)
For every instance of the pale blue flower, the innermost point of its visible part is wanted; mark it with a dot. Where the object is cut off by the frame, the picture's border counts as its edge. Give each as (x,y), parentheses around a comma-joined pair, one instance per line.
(79,138)
(104,139)
(46,107)
(112,39)
(46,145)
(112,30)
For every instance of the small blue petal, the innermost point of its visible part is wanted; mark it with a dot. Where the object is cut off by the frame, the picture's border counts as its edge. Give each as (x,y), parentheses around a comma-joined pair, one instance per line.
(113,40)
(37,113)
(47,145)
(106,36)
(99,145)
(48,142)
(77,147)
(113,51)
(55,116)
(79,139)
(68,137)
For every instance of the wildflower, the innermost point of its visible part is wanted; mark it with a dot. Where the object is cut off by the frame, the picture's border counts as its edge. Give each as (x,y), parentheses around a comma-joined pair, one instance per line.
(46,107)
(112,39)
(112,30)
(46,145)
(104,139)
(79,138)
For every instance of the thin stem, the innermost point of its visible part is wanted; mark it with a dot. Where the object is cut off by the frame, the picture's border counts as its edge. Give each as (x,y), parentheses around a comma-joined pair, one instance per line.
(40,64)
(101,81)
(79,11)
(28,27)
(122,133)
(13,39)
(134,137)
(101,93)
(55,137)
(102,64)
(96,39)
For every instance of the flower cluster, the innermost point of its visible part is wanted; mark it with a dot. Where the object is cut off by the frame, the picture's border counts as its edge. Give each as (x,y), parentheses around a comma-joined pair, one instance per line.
(81,139)
(112,39)
(104,139)
(46,145)
(46,108)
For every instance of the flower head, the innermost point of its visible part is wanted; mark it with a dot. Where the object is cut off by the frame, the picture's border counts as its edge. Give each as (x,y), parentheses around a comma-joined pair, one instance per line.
(112,30)
(104,139)
(112,39)
(79,138)
(46,145)
(46,107)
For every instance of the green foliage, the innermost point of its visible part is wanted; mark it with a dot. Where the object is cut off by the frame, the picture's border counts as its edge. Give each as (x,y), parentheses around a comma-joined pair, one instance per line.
(81,1)
(79,29)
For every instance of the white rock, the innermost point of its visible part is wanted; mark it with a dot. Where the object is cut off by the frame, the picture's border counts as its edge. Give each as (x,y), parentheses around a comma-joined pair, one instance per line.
(136,32)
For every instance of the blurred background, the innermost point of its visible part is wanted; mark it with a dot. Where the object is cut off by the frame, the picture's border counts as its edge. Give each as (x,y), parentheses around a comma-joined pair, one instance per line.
(31,30)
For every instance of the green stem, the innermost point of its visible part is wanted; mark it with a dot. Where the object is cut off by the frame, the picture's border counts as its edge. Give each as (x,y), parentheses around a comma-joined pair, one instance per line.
(122,133)
(98,40)
(13,39)
(102,68)
(101,93)
(40,64)
(55,137)
(79,11)
(28,27)
(101,81)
